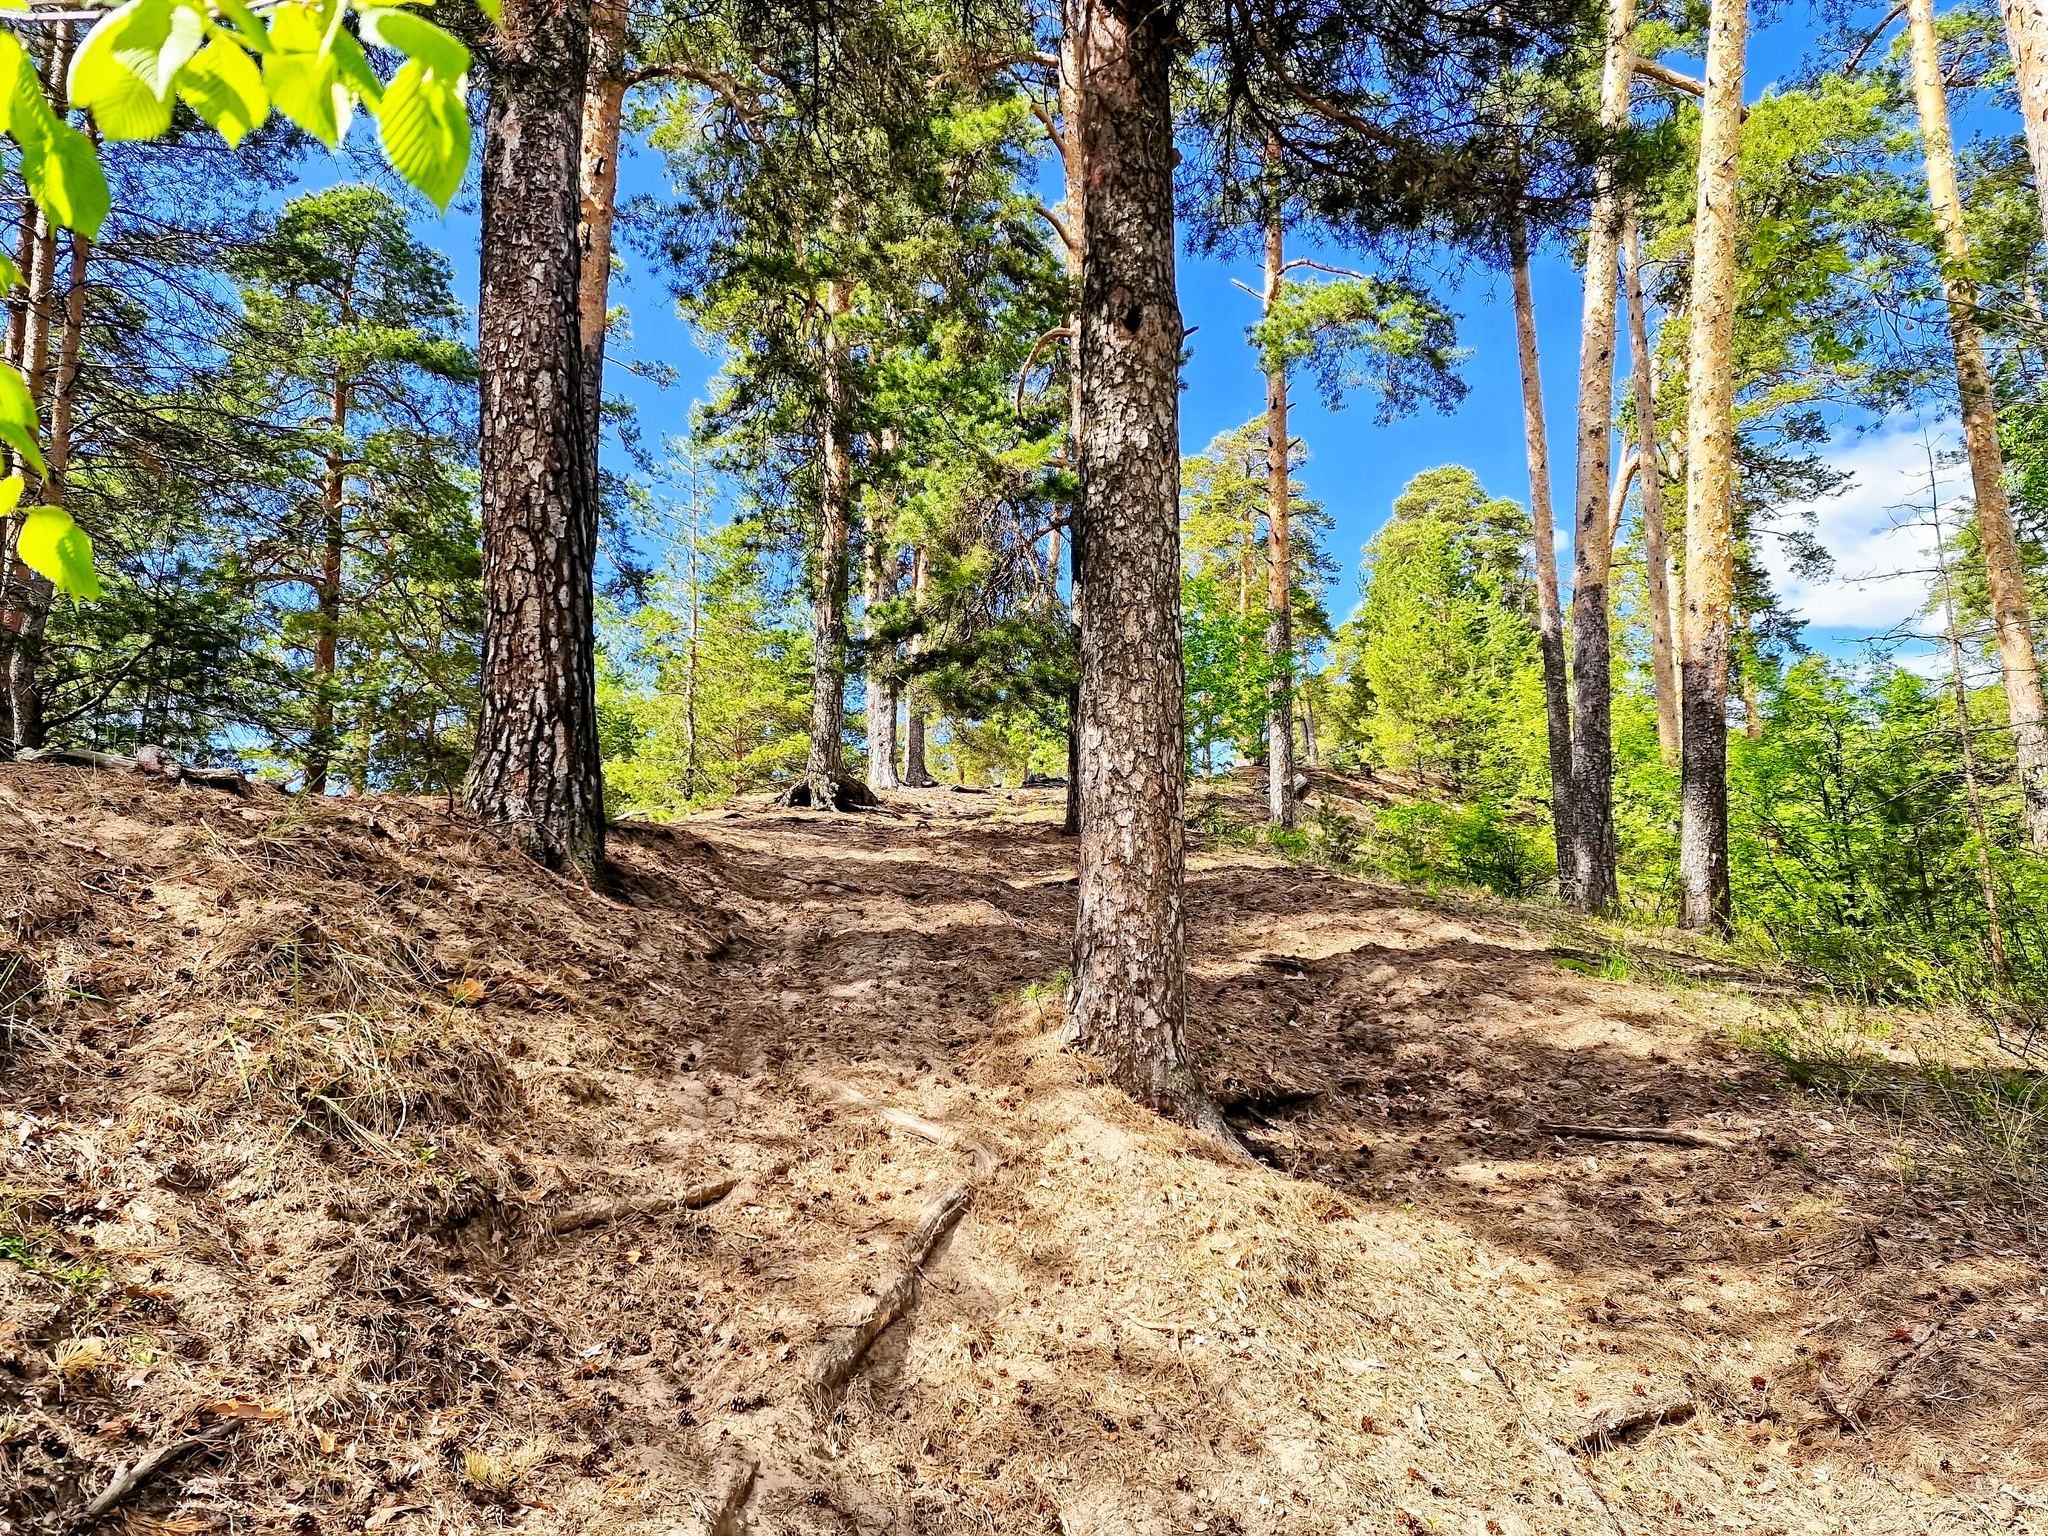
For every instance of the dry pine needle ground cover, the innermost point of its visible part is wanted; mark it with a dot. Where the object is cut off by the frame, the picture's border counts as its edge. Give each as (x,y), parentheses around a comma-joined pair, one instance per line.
(430,1193)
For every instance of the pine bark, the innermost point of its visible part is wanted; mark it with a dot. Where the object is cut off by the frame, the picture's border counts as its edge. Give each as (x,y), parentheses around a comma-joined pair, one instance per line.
(537,771)
(2003,571)
(1279,586)
(327,598)
(1128,1005)
(1557,699)
(26,595)
(597,197)
(30,592)
(2026,36)
(915,774)
(1710,484)
(1650,488)
(877,587)
(1594,885)
(826,761)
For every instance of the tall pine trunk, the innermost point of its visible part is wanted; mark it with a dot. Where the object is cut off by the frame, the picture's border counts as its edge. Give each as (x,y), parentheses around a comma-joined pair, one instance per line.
(2003,572)
(537,771)
(327,640)
(1130,947)
(877,587)
(597,198)
(1710,483)
(1650,486)
(1279,586)
(2026,36)
(823,766)
(1594,878)
(1557,699)
(915,774)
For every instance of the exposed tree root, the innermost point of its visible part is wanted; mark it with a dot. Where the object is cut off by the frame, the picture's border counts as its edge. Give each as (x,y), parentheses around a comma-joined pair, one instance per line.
(596,1213)
(1601,1434)
(842,1356)
(1662,1133)
(128,1479)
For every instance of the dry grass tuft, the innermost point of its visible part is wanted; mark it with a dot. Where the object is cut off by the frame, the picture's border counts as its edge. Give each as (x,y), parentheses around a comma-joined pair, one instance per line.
(497,1472)
(80,1360)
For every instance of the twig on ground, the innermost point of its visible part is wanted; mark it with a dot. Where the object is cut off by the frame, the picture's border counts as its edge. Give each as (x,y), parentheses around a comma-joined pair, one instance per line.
(1601,1434)
(836,1364)
(595,1213)
(987,1158)
(128,1479)
(1663,1133)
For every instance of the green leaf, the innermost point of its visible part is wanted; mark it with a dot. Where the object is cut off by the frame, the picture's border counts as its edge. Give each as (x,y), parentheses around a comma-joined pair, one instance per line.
(297,29)
(304,86)
(495,9)
(249,29)
(105,81)
(50,542)
(10,494)
(425,129)
(417,38)
(352,67)
(10,274)
(224,86)
(67,180)
(18,417)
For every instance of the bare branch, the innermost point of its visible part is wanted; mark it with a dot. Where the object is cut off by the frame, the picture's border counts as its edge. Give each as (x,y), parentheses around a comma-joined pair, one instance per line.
(1056,333)
(1058,228)
(1855,60)
(1303,261)
(1663,74)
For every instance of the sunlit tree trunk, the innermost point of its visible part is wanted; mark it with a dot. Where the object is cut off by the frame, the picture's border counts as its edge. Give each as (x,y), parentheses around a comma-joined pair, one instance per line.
(2026,35)
(1965,736)
(1650,487)
(1557,698)
(1710,483)
(1279,586)
(823,766)
(915,774)
(597,196)
(1594,881)
(1128,1004)
(2004,574)
(327,596)
(537,770)
(877,587)
(25,614)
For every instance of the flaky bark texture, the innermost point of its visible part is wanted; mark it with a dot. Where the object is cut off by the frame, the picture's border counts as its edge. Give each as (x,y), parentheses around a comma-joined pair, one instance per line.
(828,612)
(1710,483)
(2026,36)
(2003,572)
(536,771)
(1650,481)
(915,774)
(597,198)
(1594,883)
(1128,1004)
(877,587)
(1279,615)
(1557,700)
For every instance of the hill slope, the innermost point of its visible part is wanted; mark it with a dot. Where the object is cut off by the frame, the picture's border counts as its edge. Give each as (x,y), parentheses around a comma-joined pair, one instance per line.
(433,1193)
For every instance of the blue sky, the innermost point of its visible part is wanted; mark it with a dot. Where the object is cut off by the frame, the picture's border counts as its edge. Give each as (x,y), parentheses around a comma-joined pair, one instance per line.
(1356,467)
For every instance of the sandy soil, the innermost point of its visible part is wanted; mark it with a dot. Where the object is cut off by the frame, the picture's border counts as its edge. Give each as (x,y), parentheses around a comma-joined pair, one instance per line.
(346,1141)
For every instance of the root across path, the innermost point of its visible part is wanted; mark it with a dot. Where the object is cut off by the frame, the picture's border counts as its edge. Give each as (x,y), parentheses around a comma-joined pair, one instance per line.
(759,1195)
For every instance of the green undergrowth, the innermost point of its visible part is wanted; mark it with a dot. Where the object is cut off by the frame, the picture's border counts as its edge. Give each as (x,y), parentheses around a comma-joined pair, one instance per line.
(1962,1118)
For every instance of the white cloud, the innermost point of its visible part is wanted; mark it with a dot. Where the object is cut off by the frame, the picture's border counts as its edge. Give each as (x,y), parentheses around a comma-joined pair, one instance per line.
(1876,529)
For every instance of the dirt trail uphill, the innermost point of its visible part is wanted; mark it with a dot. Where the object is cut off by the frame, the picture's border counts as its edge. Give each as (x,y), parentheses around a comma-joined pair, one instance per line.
(382,1181)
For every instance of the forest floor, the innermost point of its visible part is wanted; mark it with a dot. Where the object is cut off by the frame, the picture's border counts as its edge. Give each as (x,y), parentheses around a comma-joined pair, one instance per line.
(431,1193)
